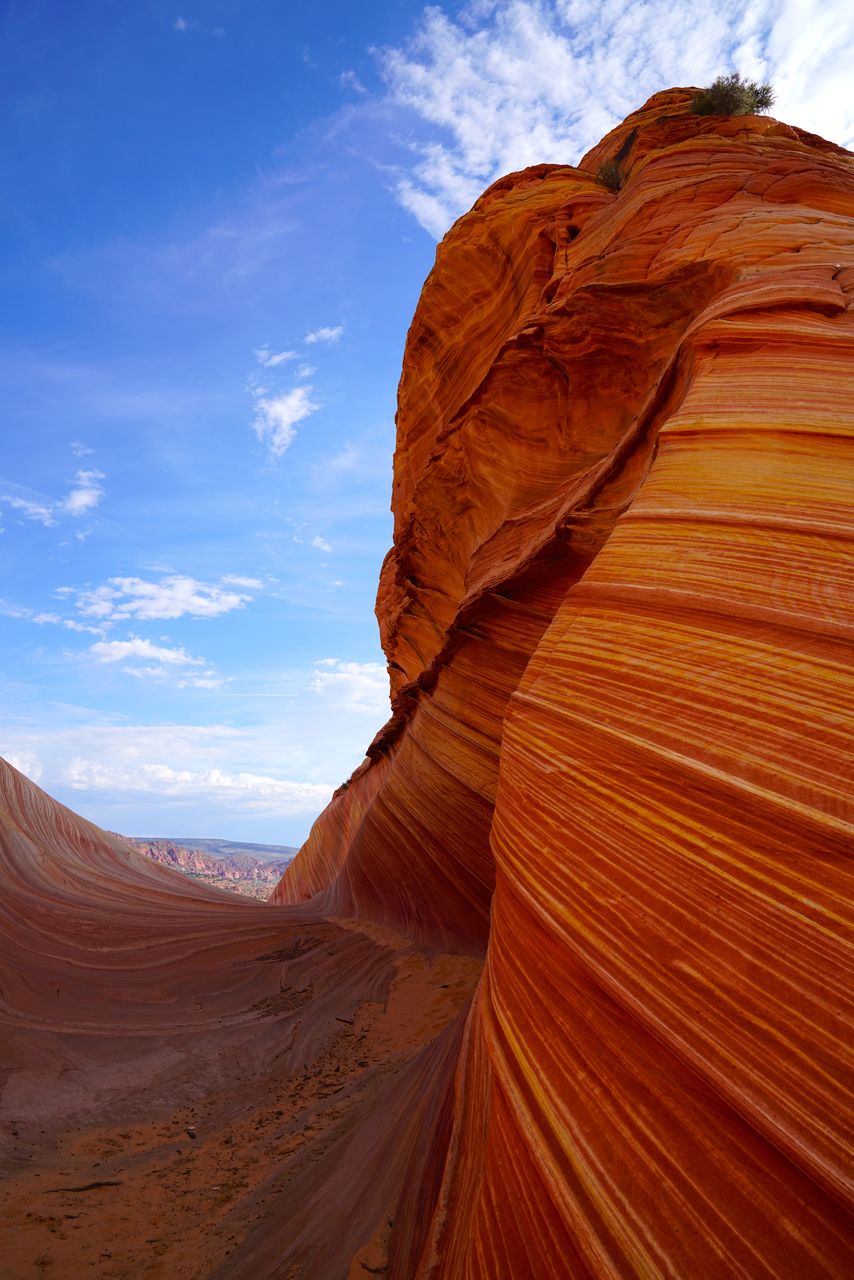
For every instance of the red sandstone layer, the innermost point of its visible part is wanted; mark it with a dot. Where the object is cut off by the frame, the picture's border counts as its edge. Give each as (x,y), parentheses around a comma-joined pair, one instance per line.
(618,615)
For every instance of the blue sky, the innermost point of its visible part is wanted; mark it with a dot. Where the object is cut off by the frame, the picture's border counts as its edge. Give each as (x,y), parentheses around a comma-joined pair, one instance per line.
(216,221)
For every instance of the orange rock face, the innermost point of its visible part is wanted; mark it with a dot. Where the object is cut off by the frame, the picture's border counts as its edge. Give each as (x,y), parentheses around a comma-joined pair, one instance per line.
(615,786)
(618,614)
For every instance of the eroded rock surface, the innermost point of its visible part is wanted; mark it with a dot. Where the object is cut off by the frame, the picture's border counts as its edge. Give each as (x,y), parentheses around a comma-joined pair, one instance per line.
(618,616)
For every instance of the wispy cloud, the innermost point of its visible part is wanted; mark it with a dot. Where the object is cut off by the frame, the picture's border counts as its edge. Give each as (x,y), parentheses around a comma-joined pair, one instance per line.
(326,334)
(70,624)
(79,449)
(252,790)
(353,686)
(26,762)
(234,580)
(277,416)
(365,461)
(148,673)
(160,662)
(42,618)
(198,680)
(320,544)
(83,498)
(289,744)
(209,679)
(184,25)
(121,650)
(349,80)
(174,596)
(518,82)
(270,359)
(86,495)
(30,509)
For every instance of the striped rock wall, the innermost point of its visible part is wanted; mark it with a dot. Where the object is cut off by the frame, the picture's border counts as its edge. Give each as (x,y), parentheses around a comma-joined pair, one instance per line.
(618,615)
(559,986)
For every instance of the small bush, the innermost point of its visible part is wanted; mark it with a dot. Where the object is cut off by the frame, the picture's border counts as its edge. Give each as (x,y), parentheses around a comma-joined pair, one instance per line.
(732,96)
(609,175)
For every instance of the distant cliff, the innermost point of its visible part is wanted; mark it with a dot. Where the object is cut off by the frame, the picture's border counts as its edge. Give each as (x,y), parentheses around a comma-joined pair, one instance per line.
(239,872)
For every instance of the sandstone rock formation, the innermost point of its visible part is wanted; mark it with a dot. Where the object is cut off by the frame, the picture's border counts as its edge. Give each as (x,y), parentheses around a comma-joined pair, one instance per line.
(199,1084)
(618,615)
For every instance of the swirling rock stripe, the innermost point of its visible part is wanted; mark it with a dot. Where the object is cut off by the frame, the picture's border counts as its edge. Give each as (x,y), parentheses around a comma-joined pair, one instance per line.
(666,1020)
(643,402)
(618,618)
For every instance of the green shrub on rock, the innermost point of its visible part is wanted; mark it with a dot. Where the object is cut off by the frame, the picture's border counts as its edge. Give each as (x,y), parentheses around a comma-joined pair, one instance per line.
(732,96)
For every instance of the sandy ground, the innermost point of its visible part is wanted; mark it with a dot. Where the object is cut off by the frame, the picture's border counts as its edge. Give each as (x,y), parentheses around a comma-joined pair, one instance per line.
(190,1190)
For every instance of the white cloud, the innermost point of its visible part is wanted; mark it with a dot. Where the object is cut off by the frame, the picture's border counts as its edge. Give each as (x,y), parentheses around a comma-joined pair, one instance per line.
(252,790)
(358,463)
(270,359)
(321,544)
(353,686)
(26,762)
(270,744)
(70,624)
(306,371)
(87,494)
(234,580)
(80,450)
(183,25)
(83,498)
(121,650)
(14,610)
(46,619)
(277,417)
(30,509)
(326,334)
(349,80)
(285,731)
(209,679)
(519,82)
(175,596)
(347,461)
(368,459)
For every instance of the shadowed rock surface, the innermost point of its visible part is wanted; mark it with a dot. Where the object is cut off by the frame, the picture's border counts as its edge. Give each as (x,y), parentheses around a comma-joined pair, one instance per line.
(559,985)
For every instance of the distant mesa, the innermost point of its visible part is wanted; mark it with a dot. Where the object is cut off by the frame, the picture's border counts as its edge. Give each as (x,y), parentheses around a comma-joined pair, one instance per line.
(250,869)
(224,848)
(560,985)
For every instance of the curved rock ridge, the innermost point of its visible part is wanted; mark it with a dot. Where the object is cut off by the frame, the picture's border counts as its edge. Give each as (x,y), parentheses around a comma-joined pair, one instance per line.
(618,617)
(197,1084)
(559,987)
